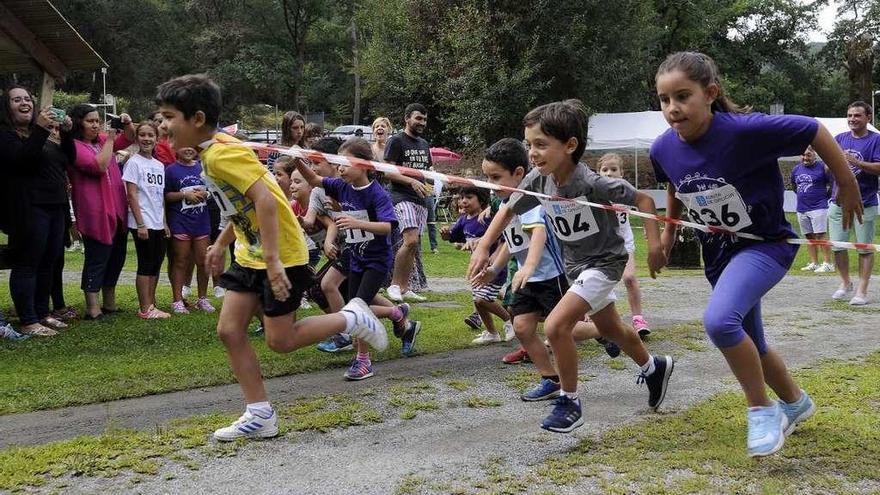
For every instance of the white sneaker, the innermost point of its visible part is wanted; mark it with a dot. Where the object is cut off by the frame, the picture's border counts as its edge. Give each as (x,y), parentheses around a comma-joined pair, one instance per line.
(367,326)
(393,292)
(249,426)
(810,268)
(509,334)
(186,291)
(305,304)
(412,296)
(825,268)
(841,293)
(486,338)
(219,292)
(858,300)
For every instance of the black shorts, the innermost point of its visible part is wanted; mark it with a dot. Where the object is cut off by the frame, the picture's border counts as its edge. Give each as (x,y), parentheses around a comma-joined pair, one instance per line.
(150,252)
(539,297)
(241,279)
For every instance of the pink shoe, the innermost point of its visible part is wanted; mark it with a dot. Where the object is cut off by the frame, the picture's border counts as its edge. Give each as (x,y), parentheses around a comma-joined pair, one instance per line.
(179,307)
(204,305)
(641,326)
(153,313)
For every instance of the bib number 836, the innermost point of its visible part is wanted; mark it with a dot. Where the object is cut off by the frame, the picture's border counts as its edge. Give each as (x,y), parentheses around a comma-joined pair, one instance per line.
(724,218)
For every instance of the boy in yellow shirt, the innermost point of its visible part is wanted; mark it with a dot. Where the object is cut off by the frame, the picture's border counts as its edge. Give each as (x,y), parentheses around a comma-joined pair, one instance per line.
(270,271)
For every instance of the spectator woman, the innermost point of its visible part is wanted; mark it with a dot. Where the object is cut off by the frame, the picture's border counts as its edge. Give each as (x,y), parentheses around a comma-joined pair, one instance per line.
(293,130)
(100,206)
(381,132)
(36,204)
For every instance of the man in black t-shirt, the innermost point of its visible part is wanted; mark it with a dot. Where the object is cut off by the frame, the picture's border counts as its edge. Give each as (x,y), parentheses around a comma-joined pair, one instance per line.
(408,149)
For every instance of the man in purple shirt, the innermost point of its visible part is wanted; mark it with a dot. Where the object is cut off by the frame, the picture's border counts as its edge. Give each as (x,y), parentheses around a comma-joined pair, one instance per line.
(810,180)
(862,150)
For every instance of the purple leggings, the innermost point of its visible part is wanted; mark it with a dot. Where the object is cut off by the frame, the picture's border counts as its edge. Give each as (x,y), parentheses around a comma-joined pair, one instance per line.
(734,308)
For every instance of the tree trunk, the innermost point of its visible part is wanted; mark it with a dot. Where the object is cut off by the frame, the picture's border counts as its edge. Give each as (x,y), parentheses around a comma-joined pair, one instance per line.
(860,67)
(356,114)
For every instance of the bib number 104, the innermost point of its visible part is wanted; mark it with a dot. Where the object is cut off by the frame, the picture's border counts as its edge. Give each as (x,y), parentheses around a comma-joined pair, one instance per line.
(721,218)
(577,225)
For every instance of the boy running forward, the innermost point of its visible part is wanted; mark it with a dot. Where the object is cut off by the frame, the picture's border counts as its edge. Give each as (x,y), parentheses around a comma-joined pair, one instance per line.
(593,251)
(270,271)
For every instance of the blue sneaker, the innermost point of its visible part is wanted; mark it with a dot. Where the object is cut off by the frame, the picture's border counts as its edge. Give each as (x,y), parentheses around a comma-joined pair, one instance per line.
(610,347)
(546,389)
(798,411)
(7,332)
(409,337)
(336,343)
(566,416)
(400,326)
(359,370)
(766,430)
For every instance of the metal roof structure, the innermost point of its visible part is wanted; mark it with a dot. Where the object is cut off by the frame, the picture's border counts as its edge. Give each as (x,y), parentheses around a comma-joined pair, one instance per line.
(35,37)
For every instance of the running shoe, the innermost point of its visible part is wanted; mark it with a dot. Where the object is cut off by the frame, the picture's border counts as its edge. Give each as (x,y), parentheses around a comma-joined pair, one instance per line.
(810,268)
(486,337)
(219,292)
(359,370)
(401,325)
(566,416)
(516,357)
(546,389)
(641,326)
(179,307)
(68,313)
(841,292)
(393,293)
(409,337)
(658,380)
(858,300)
(249,426)
(367,326)
(797,411)
(53,323)
(336,343)
(509,334)
(825,268)
(204,305)
(38,330)
(153,313)
(610,347)
(9,333)
(412,296)
(474,321)
(767,427)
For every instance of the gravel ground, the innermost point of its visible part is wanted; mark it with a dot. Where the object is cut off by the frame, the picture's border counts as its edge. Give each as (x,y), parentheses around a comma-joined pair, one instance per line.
(454,442)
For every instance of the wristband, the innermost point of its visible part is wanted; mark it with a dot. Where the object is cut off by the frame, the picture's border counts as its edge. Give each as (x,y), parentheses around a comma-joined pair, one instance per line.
(141,226)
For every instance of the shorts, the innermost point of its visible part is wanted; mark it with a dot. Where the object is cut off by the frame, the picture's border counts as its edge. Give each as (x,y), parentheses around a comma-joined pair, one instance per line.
(241,279)
(864,230)
(813,221)
(343,261)
(189,237)
(150,252)
(314,257)
(539,297)
(411,216)
(596,288)
(488,292)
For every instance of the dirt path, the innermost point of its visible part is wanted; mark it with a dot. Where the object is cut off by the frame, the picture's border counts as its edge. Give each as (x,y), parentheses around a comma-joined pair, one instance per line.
(452,442)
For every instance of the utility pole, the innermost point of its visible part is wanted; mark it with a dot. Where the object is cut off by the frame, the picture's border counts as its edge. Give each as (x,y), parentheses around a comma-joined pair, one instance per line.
(356,113)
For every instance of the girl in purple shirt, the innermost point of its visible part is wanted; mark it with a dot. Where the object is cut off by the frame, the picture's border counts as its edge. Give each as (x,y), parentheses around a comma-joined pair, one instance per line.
(721,165)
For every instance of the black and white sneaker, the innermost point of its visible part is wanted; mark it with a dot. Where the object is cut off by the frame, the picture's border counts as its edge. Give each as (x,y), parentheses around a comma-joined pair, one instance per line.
(658,380)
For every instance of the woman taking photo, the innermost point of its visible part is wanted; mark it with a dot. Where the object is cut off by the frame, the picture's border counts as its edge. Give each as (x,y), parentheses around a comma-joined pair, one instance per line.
(36,204)
(100,206)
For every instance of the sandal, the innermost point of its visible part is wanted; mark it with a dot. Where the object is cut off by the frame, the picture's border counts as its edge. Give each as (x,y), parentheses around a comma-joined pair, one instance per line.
(98,317)
(38,330)
(108,311)
(68,313)
(53,322)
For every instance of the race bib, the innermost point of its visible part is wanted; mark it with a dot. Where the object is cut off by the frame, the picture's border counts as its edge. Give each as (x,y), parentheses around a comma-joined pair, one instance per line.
(356,236)
(720,207)
(622,217)
(571,221)
(227,209)
(517,239)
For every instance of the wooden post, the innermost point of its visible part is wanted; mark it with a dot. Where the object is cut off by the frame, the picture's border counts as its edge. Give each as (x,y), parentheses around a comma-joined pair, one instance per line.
(47,91)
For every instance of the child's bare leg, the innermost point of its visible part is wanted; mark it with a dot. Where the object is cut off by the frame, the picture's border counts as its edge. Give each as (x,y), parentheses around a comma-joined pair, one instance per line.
(330,287)
(633,291)
(178,267)
(298,334)
(584,330)
(481,305)
(232,330)
(610,326)
(200,249)
(526,326)
(558,327)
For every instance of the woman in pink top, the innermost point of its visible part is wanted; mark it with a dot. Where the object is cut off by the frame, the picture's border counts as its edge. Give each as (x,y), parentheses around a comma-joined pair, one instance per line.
(100,206)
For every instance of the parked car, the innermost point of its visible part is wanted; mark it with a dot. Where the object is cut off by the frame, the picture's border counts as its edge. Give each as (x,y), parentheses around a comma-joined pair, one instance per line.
(347,131)
(269,136)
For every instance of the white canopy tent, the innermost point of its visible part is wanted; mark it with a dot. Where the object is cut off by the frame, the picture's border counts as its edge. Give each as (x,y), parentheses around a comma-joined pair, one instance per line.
(638,130)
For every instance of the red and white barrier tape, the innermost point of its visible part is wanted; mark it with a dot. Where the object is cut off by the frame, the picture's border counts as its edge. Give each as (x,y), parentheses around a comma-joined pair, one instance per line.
(317,156)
